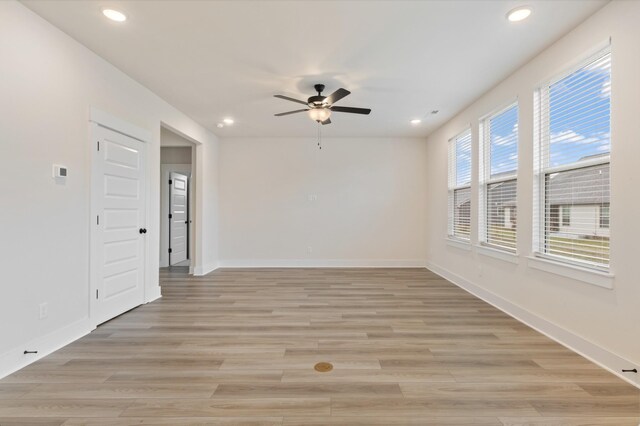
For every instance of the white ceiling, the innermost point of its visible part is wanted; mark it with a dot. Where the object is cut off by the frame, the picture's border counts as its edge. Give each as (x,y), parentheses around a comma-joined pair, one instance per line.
(402,59)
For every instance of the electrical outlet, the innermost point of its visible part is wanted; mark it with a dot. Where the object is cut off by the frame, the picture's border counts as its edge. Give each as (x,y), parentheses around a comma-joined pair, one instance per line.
(309,249)
(43,311)
(312,198)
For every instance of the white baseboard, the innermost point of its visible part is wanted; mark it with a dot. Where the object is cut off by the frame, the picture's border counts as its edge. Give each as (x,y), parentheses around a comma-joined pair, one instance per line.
(597,354)
(154,294)
(15,359)
(321,263)
(199,271)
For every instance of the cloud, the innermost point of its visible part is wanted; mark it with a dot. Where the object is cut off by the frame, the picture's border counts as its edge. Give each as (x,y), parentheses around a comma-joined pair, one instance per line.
(605,92)
(509,139)
(569,136)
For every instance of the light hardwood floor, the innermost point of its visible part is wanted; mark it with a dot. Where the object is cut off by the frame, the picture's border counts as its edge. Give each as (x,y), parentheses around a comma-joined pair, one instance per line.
(239,347)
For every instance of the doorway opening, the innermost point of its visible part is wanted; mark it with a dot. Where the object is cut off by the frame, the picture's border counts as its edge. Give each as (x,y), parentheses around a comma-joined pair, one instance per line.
(177,201)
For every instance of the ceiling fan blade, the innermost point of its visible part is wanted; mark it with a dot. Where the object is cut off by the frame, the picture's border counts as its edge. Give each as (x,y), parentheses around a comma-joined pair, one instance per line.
(290,112)
(351,110)
(327,121)
(286,98)
(337,95)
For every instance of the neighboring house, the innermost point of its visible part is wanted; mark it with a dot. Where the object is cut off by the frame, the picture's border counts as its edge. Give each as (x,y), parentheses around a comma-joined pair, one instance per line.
(462,212)
(501,204)
(579,202)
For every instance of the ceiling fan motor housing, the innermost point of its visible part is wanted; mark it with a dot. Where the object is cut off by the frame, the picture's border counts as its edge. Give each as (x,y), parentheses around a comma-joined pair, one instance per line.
(316,101)
(319,100)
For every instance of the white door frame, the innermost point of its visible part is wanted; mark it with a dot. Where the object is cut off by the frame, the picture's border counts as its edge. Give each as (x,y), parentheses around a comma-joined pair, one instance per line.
(165,169)
(173,177)
(97,119)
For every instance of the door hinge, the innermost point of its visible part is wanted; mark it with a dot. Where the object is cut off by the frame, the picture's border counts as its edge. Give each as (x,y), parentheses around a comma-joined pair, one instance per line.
(170,216)
(169,250)
(98,145)
(170,181)
(97,293)
(98,220)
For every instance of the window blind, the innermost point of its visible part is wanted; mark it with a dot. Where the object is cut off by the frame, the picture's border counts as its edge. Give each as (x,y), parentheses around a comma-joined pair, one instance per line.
(574,141)
(460,186)
(498,178)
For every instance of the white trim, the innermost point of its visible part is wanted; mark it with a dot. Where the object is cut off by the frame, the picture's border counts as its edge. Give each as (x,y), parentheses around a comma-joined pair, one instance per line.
(165,169)
(154,294)
(15,359)
(99,118)
(585,58)
(497,111)
(118,125)
(459,244)
(580,164)
(199,271)
(591,351)
(496,253)
(321,263)
(587,275)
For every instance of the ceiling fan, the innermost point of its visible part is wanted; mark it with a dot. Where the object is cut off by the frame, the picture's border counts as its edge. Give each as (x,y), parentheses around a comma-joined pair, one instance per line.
(320,107)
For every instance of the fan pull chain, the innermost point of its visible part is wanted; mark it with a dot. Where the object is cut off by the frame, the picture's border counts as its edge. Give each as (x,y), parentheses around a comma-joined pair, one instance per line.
(319,137)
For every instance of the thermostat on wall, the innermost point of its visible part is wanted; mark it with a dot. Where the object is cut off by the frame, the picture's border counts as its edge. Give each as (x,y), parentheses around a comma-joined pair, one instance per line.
(59,171)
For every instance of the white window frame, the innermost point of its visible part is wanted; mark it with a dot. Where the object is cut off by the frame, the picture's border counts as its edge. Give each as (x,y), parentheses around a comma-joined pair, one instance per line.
(485,175)
(541,154)
(453,187)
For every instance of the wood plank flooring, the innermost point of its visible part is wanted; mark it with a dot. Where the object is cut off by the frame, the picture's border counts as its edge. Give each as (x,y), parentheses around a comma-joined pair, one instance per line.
(237,347)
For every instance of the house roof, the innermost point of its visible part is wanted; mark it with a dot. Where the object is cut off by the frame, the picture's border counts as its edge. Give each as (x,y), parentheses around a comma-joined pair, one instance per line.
(588,185)
(462,197)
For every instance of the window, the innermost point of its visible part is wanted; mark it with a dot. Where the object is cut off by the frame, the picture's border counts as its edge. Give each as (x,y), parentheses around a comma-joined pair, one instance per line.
(460,186)
(573,141)
(498,178)
(604,216)
(566,215)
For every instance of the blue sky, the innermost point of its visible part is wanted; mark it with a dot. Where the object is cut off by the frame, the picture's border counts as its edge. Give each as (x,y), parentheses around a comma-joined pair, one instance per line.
(463,160)
(580,109)
(504,141)
(579,113)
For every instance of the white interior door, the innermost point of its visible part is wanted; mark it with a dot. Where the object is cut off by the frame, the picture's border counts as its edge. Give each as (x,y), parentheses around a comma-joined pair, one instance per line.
(119,197)
(178,218)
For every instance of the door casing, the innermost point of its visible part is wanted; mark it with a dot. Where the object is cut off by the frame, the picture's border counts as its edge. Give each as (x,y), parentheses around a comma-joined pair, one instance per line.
(99,118)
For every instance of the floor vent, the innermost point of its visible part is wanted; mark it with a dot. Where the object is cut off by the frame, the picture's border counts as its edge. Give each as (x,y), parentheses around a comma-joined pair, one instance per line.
(323,367)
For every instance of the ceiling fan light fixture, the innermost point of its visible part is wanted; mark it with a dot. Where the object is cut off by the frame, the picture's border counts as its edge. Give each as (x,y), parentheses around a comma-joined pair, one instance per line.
(319,114)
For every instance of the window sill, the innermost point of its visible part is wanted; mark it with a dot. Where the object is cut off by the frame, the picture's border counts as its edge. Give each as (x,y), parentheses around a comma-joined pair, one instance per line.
(460,244)
(507,256)
(590,276)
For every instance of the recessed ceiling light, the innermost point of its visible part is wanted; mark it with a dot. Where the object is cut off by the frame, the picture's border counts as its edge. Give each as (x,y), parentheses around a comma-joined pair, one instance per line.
(228,121)
(114,15)
(416,121)
(519,13)
(220,125)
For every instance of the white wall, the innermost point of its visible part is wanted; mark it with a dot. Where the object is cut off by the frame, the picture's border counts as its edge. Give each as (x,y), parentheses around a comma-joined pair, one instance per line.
(600,322)
(368,208)
(48,84)
(175,155)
